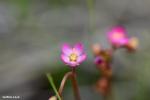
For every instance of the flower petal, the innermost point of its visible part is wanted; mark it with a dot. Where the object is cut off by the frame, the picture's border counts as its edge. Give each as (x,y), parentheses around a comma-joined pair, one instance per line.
(73,64)
(98,60)
(118,36)
(124,41)
(119,29)
(65,58)
(81,58)
(78,48)
(66,49)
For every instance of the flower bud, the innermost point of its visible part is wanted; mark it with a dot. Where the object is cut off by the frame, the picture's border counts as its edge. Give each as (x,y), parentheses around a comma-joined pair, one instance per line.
(133,44)
(96,49)
(53,98)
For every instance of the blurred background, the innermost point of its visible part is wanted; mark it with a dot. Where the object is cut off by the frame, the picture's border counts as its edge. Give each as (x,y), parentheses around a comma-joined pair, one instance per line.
(32,32)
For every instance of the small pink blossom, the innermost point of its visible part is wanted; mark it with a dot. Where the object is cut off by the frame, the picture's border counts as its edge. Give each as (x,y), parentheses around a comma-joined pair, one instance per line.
(118,36)
(99,60)
(73,56)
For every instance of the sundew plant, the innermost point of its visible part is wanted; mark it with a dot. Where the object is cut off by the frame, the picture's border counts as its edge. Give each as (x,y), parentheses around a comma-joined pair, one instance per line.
(74,49)
(73,56)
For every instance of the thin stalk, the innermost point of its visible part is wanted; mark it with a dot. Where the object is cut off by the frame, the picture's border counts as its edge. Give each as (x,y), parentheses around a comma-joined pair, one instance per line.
(63,82)
(90,5)
(91,21)
(75,85)
(70,75)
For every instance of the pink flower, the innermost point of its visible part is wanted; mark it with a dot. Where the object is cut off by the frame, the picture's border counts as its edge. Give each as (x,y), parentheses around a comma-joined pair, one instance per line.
(118,36)
(73,56)
(99,60)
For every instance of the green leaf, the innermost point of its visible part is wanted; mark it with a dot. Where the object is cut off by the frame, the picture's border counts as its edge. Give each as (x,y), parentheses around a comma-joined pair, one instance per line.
(53,85)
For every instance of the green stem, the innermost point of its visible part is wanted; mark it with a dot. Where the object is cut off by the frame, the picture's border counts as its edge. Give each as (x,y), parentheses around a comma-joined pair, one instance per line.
(53,85)
(90,5)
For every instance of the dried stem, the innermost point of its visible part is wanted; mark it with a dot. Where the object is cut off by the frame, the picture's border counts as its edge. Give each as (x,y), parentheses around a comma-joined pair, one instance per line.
(70,75)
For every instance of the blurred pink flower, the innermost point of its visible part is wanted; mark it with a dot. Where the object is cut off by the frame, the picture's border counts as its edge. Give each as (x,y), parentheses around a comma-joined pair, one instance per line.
(118,36)
(99,60)
(73,56)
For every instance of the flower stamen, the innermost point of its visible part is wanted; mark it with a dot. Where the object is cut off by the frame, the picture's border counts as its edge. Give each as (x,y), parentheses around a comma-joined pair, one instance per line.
(73,57)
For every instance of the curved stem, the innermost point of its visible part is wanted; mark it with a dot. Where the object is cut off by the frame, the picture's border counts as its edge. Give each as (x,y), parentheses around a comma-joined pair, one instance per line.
(70,75)
(62,85)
